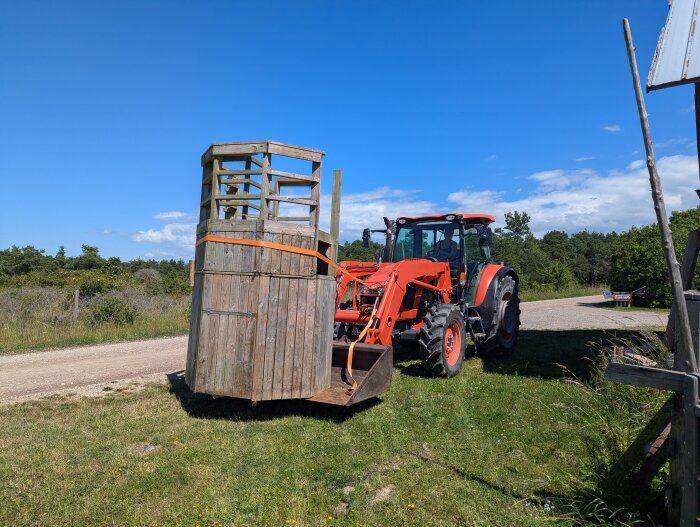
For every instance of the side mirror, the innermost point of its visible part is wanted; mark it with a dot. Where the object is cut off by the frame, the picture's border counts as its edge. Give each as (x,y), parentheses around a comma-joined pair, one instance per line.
(365,237)
(485,237)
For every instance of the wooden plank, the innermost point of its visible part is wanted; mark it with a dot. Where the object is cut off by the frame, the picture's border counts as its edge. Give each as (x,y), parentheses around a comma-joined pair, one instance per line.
(270,338)
(237,172)
(212,336)
(310,356)
(295,201)
(290,348)
(326,301)
(280,332)
(315,195)
(300,327)
(335,213)
(193,337)
(239,353)
(215,189)
(206,193)
(227,330)
(691,444)
(294,258)
(265,186)
(294,151)
(250,296)
(644,376)
(690,259)
(246,187)
(292,176)
(285,257)
(264,302)
(241,181)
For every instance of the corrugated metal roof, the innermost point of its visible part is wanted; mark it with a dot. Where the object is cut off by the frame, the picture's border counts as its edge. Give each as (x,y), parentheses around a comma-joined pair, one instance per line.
(677,57)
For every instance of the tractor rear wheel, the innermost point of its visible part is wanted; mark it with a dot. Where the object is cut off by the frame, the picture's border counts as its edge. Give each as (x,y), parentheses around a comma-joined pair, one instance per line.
(506,318)
(442,340)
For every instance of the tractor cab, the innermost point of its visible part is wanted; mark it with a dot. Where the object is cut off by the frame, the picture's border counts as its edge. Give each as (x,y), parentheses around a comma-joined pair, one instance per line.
(462,240)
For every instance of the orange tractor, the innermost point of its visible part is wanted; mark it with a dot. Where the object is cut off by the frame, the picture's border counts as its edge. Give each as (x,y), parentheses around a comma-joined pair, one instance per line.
(434,285)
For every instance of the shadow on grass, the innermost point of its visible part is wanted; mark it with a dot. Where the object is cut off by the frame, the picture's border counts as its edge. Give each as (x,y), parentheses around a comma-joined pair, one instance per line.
(573,354)
(207,407)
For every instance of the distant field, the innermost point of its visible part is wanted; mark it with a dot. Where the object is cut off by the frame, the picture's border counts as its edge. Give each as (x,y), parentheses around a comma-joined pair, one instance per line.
(532,439)
(529,295)
(35,318)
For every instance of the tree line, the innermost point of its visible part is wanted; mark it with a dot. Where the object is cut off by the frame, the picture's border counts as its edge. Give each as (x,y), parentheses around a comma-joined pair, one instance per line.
(625,261)
(90,272)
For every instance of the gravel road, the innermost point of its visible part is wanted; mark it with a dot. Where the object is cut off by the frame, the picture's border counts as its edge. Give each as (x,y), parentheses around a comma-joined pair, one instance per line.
(97,370)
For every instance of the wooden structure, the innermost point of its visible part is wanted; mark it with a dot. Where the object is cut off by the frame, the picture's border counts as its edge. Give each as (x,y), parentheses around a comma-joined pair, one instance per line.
(682,498)
(262,318)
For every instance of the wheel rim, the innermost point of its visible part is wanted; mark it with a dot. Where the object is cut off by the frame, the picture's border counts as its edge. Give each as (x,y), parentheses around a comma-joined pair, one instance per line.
(452,343)
(508,318)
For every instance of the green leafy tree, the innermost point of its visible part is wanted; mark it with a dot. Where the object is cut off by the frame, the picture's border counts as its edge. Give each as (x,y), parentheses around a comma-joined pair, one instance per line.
(89,259)
(355,251)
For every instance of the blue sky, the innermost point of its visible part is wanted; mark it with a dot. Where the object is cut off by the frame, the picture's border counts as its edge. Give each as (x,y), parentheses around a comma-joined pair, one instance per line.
(106,107)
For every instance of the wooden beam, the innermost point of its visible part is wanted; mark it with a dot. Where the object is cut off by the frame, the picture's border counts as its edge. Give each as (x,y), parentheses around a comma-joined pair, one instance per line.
(297,201)
(240,181)
(690,260)
(235,172)
(681,324)
(669,380)
(292,175)
(335,212)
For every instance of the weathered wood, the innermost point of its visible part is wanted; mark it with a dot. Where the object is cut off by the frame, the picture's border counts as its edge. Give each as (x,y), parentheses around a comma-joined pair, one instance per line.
(256,312)
(191,269)
(689,501)
(335,212)
(681,325)
(644,376)
(688,265)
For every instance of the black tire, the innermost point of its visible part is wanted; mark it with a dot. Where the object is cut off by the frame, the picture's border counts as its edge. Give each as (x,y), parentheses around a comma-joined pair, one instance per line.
(506,319)
(442,340)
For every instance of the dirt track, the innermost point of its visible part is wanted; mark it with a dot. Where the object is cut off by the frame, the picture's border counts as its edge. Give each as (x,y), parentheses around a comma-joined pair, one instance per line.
(95,370)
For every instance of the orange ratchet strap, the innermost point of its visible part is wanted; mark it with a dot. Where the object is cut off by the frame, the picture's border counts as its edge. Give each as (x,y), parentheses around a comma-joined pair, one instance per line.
(281,247)
(351,349)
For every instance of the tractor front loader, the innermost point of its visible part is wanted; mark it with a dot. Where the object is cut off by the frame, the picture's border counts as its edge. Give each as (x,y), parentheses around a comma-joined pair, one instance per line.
(434,285)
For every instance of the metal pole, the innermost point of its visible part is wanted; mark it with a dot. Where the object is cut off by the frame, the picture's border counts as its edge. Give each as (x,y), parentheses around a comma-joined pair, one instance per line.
(684,342)
(697,125)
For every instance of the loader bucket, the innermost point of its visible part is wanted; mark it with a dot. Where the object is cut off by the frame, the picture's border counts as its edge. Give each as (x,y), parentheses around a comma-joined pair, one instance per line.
(372,365)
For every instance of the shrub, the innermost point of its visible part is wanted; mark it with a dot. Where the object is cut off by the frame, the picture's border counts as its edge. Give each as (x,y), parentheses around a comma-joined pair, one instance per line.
(113,310)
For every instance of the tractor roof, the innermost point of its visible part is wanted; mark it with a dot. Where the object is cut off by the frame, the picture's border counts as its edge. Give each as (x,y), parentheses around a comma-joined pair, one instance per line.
(476,218)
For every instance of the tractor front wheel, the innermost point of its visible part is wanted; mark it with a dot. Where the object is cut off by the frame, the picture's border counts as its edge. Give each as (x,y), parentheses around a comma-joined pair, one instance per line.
(442,340)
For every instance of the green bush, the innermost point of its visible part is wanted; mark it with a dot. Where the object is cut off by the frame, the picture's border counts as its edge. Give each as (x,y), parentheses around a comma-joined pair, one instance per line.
(114,310)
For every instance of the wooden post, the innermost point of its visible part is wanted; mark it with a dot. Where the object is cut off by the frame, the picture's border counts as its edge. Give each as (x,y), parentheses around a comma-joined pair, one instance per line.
(684,341)
(335,212)
(689,502)
(191,273)
(76,305)
(697,122)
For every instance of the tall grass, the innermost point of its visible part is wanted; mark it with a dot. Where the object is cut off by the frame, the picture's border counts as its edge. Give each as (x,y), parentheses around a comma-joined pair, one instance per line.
(548,293)
(42,317)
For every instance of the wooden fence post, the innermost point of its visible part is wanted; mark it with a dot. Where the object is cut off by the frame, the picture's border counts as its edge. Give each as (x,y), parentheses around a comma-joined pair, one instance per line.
(335,212)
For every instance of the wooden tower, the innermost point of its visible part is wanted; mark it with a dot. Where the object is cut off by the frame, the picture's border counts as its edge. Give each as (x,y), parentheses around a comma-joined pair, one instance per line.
(262,319)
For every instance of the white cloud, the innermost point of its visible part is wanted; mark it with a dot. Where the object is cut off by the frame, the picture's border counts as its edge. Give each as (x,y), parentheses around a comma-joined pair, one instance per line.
(366,209)
(573,200)
(612,128)
(584,158)
(172,215)
(179,234)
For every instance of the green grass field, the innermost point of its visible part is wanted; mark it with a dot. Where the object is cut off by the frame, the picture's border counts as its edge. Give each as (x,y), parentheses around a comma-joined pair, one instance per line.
(532,439)
(528,295)
(16,337)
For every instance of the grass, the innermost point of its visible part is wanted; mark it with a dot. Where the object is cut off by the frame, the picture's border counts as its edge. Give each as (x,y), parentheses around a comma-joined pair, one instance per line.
(528,295)
(610,304)
(38,336)
(36,318)
(532,439)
